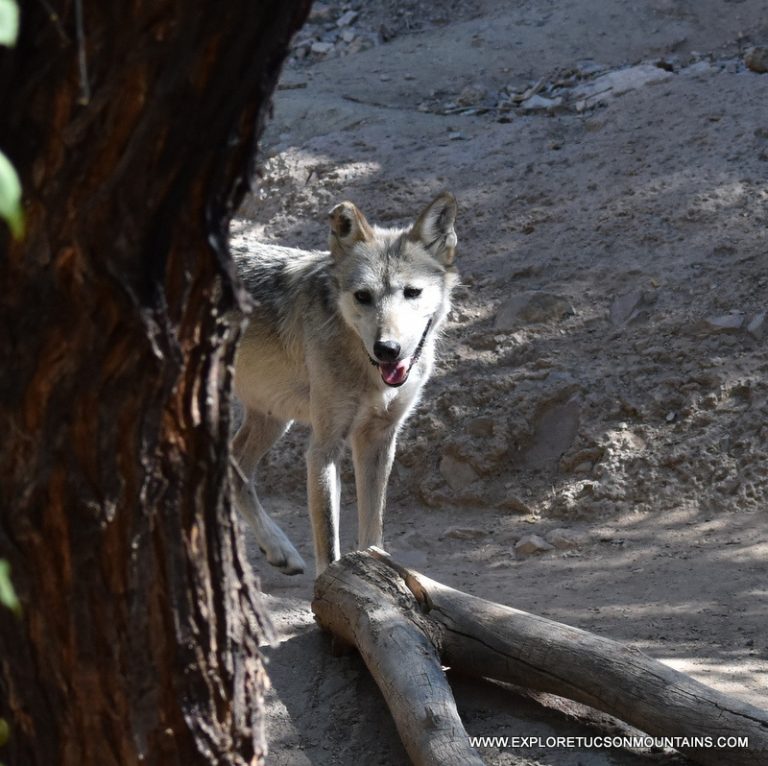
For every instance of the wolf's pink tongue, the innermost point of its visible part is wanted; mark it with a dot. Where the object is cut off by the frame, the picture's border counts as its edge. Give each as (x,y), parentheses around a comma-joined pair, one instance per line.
(394,374)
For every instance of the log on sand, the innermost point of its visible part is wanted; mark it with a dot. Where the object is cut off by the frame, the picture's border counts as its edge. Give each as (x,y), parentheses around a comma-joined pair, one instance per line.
(407,627)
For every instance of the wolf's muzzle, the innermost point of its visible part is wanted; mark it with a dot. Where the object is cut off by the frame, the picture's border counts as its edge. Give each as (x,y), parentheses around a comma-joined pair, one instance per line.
(394,373)
(386,350)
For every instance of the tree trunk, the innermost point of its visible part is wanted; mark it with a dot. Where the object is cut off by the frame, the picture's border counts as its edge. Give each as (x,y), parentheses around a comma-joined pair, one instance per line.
(406,626)
(133,128)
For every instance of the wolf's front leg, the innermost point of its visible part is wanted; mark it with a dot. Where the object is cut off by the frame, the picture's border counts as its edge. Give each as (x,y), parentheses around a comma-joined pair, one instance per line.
(373,451)
(324,495)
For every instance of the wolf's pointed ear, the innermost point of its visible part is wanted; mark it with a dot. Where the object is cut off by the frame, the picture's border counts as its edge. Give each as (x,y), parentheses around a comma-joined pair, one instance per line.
(348,226)
(434,228)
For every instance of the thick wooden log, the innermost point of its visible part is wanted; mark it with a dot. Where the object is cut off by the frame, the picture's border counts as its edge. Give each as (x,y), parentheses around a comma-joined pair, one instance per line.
(482,638)
(485,639)
(361,603)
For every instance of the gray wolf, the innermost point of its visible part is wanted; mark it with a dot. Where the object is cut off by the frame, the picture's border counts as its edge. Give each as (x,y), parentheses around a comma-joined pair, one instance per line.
(343,341)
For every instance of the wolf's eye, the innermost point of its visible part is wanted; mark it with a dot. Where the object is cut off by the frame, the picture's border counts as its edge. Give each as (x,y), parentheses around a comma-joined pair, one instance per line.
(412,292)
(364,297)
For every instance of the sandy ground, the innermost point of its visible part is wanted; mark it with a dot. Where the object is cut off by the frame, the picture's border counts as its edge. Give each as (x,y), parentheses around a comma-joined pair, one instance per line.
(604,369)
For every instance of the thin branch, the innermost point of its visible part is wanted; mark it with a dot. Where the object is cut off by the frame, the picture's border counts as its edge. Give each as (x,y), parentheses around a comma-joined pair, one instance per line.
(55,19)
(85,88)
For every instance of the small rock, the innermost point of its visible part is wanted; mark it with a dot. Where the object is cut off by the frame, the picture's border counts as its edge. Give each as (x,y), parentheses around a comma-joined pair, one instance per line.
(576,498)
(555,428)
(729,486)
(620,81)
(386,34)
(359,44)
(565,539)
(464,533)
(732,322)
(531,544)
(515,504)
(456,135)
(671,416)
(457,473)
(320,12)
(540,104)
(588,67)
(630,306)
(289,83)
(702,67)
(757,325)
(321,48)
(623,306)
(533,307)
(576,462)
(346,18)
(756,59)
(348,35)
(472,95)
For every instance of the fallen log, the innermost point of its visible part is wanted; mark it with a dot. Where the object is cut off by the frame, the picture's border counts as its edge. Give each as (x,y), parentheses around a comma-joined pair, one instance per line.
(407,627)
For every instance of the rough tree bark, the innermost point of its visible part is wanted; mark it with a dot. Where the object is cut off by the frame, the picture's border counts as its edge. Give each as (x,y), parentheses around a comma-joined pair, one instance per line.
(390,613)
(133,128)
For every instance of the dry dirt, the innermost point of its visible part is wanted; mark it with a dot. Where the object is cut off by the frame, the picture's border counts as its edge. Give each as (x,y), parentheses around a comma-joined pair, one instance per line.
(604,369)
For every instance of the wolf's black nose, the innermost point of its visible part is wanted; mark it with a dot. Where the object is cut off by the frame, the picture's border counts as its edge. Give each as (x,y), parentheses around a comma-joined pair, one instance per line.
(386,350)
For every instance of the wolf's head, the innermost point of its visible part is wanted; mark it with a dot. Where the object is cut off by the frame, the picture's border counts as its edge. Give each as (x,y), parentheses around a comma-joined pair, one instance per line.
(394,284)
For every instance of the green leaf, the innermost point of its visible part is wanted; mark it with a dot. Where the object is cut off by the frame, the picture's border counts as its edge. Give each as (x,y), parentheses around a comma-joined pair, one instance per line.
(7,593)
(9,22)
(10,197)
(5,732)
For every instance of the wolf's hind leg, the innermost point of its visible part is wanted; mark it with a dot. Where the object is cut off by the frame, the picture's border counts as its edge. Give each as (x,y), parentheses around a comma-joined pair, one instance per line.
(255,436)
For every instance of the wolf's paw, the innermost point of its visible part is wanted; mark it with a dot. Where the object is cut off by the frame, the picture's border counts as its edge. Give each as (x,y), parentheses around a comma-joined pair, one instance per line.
(285,557)
(273,542)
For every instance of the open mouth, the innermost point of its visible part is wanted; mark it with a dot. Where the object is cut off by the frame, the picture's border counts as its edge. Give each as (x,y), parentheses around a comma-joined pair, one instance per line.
(395,373)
